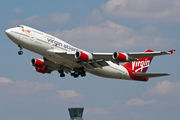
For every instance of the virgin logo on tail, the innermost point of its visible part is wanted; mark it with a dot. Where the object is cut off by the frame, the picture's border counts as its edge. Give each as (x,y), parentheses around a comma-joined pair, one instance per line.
(140,65)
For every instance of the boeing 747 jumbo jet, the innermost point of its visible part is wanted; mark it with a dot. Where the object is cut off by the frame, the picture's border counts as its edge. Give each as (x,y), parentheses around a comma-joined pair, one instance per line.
(65,58)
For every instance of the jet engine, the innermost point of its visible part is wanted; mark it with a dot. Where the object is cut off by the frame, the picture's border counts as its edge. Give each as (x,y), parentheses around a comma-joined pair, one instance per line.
(40,70)
(120,57)
(83,56)
(39,63)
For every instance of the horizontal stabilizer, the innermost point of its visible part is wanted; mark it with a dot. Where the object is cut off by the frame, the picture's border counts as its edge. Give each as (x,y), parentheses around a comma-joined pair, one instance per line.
(149,75)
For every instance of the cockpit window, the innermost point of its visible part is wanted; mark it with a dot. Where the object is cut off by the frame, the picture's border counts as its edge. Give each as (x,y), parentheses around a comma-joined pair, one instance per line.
(21,26)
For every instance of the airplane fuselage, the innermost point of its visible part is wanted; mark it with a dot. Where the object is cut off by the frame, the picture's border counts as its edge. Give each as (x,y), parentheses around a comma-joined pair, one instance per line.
(43,44)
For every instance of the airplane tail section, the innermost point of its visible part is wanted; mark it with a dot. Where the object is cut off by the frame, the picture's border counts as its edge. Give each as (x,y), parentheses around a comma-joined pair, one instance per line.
(141,65)
(137,69)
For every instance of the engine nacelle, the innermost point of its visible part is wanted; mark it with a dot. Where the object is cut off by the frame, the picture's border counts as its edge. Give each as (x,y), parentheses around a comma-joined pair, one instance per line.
(37,63)
(120,57)
(83,56)
(40,70)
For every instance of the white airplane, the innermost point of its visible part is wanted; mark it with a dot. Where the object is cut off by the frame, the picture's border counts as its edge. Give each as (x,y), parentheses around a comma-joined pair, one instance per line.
(63,57)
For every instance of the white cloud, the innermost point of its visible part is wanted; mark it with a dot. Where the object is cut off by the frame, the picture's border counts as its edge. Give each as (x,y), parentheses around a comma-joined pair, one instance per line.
(109,35)
(24,87)
(95,111)
(23,90)
(138,101)
(135,115)
(17,10)
(68,94)
(148,10)
(59,17)
(136,108)
(5,80)
(164,88)
(54,18)
(44,86)
(94,18)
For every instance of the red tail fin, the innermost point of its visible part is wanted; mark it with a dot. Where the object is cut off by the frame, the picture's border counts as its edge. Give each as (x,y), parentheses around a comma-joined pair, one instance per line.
(141,65)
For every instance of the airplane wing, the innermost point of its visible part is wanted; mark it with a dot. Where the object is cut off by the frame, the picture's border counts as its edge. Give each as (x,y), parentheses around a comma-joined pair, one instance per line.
(149,54)
(99,59)
(95,63)
(67,55)
(149,75)
(49,66)
(129,56)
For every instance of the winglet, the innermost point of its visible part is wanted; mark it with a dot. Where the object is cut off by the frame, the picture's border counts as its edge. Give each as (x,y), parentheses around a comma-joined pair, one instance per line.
(171,51)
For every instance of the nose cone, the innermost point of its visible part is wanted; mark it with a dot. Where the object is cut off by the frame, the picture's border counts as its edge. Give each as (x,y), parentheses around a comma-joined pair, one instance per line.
(8,32)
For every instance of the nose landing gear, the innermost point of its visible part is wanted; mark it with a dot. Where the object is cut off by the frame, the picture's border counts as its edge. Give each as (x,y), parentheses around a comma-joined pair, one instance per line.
(20,52)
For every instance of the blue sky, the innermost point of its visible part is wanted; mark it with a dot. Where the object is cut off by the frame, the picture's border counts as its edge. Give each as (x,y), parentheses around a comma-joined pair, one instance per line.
(95,26)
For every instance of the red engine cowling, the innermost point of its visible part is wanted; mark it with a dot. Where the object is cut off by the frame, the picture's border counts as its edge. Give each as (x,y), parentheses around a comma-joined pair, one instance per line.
(83,56)
(119,57)
(37,63)
(41,70)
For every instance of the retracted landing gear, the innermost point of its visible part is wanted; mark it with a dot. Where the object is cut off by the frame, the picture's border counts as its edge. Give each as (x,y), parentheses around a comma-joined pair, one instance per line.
(61,73)
(20,52)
